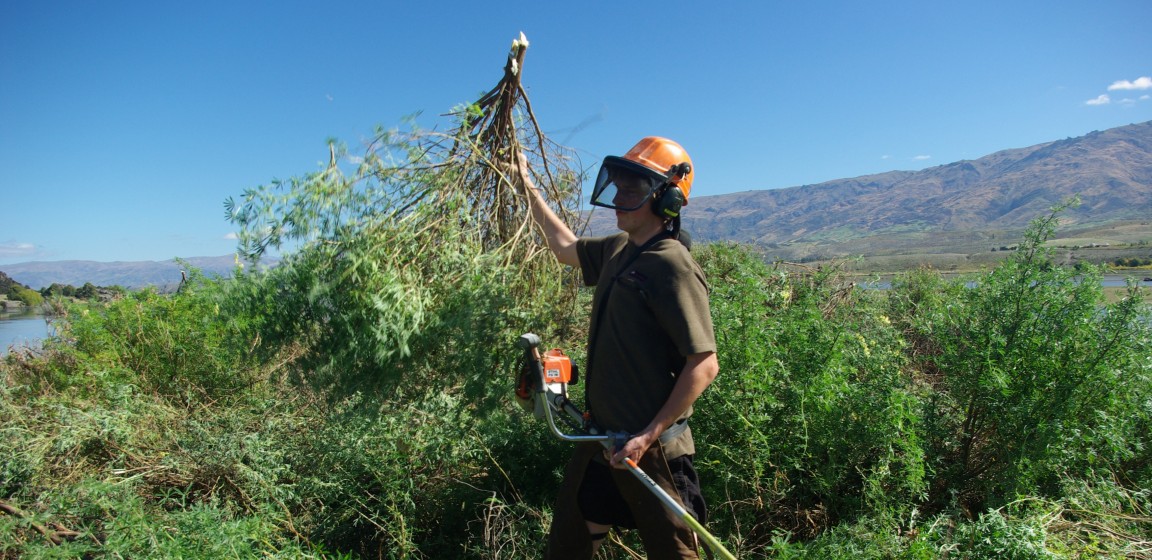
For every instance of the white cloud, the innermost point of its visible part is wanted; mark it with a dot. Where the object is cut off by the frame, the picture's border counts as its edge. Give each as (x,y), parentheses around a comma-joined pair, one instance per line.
(14,249)
(231,235)
(922,158)
(1143,82)
(885,156)
(1145,97)
(1102,100)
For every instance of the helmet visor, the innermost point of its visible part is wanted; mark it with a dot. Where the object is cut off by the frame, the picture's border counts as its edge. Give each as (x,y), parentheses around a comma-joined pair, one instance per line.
(620,186)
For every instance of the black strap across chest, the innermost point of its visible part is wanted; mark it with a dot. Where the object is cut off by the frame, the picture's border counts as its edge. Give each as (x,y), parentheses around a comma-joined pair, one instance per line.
(603,303)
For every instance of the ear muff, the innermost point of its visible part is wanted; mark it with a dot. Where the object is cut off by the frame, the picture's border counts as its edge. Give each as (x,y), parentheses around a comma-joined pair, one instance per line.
(668,201)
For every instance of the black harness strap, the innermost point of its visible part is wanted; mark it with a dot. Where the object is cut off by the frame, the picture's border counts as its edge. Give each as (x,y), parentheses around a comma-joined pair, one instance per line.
(594,333)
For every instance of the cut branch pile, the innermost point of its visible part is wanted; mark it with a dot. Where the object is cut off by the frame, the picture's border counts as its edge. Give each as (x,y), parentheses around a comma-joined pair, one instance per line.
(476,164)
(55,533)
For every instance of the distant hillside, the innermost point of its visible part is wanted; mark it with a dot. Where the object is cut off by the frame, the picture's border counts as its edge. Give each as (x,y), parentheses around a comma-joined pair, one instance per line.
(966,207)
(139,274)
(6,283)
(1111,171)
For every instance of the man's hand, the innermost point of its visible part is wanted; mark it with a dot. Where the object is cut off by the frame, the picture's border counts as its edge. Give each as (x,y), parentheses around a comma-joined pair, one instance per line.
(517,172)
(634,449)
(561,240)
(523,173)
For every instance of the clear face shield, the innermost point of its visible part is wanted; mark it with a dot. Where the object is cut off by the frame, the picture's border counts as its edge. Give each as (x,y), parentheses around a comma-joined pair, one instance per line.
(622,185)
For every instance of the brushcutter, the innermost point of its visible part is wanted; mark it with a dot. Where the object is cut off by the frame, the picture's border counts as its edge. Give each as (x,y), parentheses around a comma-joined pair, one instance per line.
(543,388)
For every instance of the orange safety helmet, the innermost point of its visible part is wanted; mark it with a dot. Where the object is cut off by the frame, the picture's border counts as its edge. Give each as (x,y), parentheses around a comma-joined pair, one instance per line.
(649,170)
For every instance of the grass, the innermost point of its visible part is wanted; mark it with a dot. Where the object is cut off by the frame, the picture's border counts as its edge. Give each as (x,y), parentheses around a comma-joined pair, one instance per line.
(1113,295)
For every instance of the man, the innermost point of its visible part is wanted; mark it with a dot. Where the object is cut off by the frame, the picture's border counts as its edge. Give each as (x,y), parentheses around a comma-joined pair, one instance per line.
(651,353)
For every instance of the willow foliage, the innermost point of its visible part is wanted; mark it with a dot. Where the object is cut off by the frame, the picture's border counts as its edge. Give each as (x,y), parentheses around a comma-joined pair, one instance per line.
(392,251)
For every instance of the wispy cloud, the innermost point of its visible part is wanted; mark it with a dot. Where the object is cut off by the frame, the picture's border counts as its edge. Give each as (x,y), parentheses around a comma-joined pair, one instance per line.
(1103,99)
(16,249)
(1143,82)
(231,235)
(922,158)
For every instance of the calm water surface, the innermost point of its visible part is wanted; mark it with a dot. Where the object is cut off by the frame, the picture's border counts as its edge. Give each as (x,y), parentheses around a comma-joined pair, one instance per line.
(22,329)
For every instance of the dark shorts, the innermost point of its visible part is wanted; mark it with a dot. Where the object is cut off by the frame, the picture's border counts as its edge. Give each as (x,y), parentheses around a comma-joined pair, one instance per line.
(601,502)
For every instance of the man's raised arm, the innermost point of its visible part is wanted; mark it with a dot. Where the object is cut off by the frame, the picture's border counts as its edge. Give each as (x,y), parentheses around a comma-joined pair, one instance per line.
(561,240)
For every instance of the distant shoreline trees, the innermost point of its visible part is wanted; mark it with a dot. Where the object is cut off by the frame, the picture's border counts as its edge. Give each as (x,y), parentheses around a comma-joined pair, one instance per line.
(15,291)
(88,291)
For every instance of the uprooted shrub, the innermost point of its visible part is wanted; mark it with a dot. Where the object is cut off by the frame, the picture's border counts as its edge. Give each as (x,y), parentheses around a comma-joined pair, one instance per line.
(423,249)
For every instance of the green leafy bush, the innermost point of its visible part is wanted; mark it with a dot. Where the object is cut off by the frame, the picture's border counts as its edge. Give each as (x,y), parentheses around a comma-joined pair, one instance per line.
(27,296)
(812,420)
(176,345)
(1029,373)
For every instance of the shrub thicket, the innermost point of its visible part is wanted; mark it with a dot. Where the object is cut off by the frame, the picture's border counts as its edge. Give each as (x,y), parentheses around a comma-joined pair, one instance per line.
(353,402)
(1033,377)
(831,432)
(812,420)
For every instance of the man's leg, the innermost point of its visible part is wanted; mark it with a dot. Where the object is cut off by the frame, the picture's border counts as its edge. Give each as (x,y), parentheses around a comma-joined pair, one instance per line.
(664,535)
(601,503)
(598,533)
(568,538)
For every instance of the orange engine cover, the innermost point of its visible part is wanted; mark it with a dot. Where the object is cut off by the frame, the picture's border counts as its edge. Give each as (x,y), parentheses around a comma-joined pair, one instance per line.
(557,366)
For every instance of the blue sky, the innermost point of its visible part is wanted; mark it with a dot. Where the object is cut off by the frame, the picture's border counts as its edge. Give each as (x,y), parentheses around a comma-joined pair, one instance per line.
(125,125)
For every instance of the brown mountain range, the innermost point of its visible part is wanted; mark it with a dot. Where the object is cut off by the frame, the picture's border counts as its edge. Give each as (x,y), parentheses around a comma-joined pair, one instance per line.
(959,209)
(1110,171)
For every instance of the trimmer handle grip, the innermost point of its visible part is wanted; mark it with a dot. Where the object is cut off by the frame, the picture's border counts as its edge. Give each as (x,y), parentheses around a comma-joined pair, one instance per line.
(528,341)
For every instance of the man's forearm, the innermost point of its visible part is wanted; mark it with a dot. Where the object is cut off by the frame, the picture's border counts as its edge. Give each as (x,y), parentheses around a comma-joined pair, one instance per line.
(697,375)
(559,237)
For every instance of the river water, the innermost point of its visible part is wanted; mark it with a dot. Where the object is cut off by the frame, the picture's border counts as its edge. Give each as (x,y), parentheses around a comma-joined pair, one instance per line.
(20,329)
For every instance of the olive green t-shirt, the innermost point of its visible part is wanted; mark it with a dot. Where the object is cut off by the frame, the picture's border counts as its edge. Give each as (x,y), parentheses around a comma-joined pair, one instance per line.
(647,317)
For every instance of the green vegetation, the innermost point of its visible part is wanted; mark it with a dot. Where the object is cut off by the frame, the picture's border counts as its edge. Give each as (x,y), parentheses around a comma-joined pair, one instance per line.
(1132,262)
(18,292)
(14,291)
(28,296)
(353,402)
(88,291)
(1006,420)
(1117,244)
